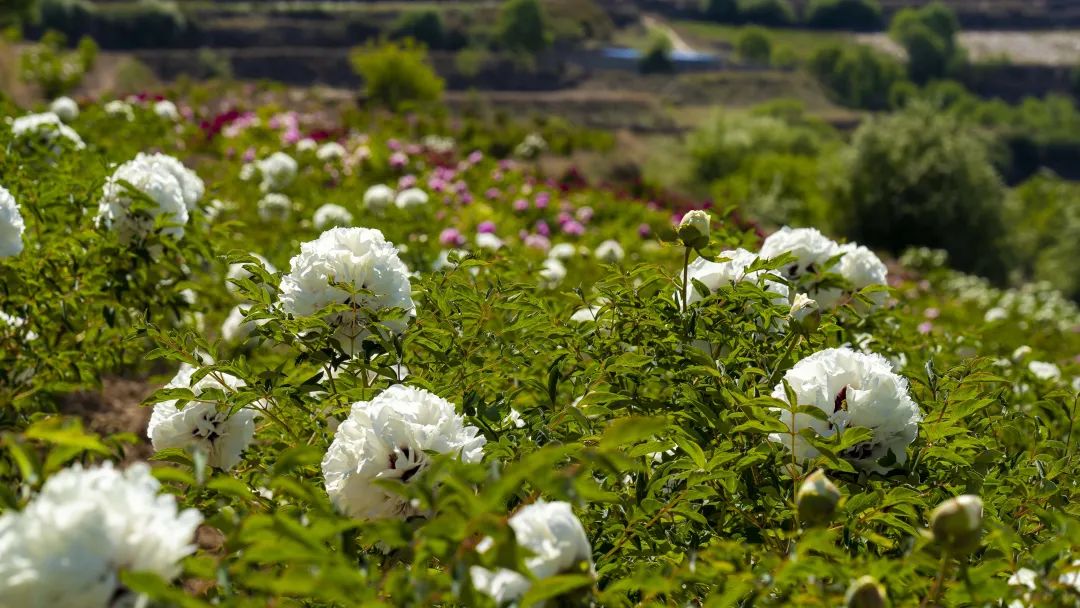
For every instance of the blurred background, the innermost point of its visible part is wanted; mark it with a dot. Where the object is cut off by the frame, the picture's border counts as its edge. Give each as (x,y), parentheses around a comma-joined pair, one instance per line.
(949,124)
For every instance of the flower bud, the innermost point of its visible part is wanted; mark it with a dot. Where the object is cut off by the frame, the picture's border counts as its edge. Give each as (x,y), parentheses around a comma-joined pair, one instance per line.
(805,314)
(694,229)
(816,499)
(957,522)
(866,592)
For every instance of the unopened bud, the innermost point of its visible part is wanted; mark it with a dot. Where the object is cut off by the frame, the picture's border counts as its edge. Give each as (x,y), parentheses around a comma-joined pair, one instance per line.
(866,592)
(694,229)
(805,314)
(957,523)
(816,499)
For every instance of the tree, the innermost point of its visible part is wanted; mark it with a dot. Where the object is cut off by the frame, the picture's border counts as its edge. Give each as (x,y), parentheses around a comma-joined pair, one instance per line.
(922,177)
(397,73)
(425,26)
(522,26)
(766,12)
(657,58)
(720,10)
(928,34)
(856,75)
(860,15)
(754,45)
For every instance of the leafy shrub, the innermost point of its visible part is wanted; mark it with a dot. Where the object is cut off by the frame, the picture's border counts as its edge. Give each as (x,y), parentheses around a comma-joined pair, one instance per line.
(52,68)
(66,16)
(523,27)
(424,26)
(754,45)
(928,34)
(922,178)
(858,15)
(724,11)
(396,74)
(657,57)
(856,75)
(1044,216)
(766,12)
(725,143)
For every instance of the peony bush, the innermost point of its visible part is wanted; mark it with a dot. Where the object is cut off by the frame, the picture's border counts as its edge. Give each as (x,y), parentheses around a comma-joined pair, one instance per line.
(388,360)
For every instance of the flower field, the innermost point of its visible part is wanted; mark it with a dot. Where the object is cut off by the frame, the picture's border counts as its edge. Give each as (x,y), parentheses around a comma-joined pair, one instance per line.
(393,362)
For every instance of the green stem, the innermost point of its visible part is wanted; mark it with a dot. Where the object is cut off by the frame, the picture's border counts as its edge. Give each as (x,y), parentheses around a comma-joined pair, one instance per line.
(685,279)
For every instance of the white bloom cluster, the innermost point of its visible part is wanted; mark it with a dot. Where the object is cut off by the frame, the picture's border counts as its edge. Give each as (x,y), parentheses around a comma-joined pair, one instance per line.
(1044,370)
(45,128)
(813,250)
(854,390)
(234,328)
(732,269)
(557,541)
(154,181)
(201,424)
(11,225)
(274,206)
(552,273)
(388,438)
(191,186)
(277,170)
(68,547)
(378,197)
(410,198)
(487,240)
(530,147)
(65,108)
(330,215)
(120,109)
(330,151)
(610,252)
(167,110)
(361,258)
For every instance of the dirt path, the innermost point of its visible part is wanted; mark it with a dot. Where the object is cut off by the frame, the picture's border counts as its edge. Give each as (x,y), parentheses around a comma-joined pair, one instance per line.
(678,43)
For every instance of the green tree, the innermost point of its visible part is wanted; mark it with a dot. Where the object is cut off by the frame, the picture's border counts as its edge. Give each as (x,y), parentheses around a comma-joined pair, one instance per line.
(766,12)
(720,10)
(523,27)
(860,15)
(397,73)
(928,34)
(657,57)
(856,75)
(921,177)
(425,26)
(754,45)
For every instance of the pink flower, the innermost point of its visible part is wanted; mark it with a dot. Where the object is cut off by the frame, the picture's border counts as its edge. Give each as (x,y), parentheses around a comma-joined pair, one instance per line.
(926,327)
(451,237)
(537,241)
(466,198)
(584,214)
(542,200)
(573,228)
(475,157)
(542,228)
(436,184)
(521,205)
(564,218)
(496,176)
(493,194)
(644,230)
(249,155)
(398,160)
(486,227)
(931,313)
(393,144)
(406,182)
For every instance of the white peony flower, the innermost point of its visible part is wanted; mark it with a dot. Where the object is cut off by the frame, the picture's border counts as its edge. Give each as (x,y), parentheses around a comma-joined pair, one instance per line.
(191,185)
(167,110)
(854,390)
(812,250)
(45,128)
(1072,577)
(487,240)
(556,540)
(330,215)
(330,151)
(861,268)
(65,108)
(11,225)
(238,272)
(306,145)
(412,197)
(378,197)
(234,328)
(277,170)
(120,109)
(610,251)
(995,314)
(715,275)
(388,438)
(694,229)
(165,194)
(362,258)
(274,206)
(200,424)
(562,251)
(552,273)
(1044,371)
(68,547)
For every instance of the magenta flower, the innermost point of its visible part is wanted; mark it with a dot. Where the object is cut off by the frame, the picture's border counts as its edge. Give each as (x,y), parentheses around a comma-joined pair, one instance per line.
(393,144)
(543,228)
(406,182)
(644,230)
(249,155)
(493,194)
(563,218)
(398,160)
(451,237)
(573,228)
(926,327)
(542,200)
(486,227)
(475,157)
(537,241)
(521,205)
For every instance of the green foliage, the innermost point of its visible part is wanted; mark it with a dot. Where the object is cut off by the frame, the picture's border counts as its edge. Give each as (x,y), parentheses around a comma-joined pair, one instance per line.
(424,26)
(54,69)
(1044,216)
(766,12)
(16,11)
(657,56)
(922,178)
(856,75)
(754,45)
(523,26)
(723,11)
(858,15)
(396,74)
(928,34)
